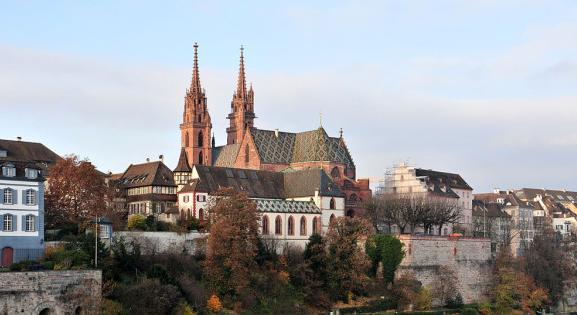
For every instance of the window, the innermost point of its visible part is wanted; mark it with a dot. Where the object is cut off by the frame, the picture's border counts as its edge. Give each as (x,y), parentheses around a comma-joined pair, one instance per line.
(200,138)
(30,197)
(201,198)
(8,170)
(278,225)
(7,222)
(303,226)
(316,225)
(246,154)
(9,196)
(265,225)
(158,208)
(335,172)
(291,226)
(104,231)
(186,143)
(201,214)
(332,204)
(31,173)
(332,219)
(200,157)
(30,223)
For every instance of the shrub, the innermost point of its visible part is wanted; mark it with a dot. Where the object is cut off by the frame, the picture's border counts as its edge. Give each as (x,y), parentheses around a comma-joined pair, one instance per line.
(213,304)
(424,300)
(456,301)
(469,311)
(136,222)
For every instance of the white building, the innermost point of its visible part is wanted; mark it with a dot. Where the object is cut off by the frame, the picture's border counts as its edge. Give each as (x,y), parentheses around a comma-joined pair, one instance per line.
(294,205)
(404,179)
(22,200)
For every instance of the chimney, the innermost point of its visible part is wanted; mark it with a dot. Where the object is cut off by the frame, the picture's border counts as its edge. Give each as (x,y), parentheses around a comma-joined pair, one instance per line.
(19,138)
(161,158)
(276,132)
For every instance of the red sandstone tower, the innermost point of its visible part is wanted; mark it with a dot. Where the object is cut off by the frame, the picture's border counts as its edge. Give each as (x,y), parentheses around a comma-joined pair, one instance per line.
(196,126)
(242,107)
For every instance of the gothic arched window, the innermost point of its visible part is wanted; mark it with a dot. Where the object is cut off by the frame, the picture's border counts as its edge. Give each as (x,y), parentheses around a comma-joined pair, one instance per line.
(200,157)
(265,225)
(332,219)
(201,214)
(303,226)
(332,204)
(278,225)
(186,143)
(291,226)
(200,139)
(316,224)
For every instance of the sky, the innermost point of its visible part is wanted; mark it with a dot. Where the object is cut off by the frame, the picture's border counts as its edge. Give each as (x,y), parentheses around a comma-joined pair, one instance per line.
(486,89)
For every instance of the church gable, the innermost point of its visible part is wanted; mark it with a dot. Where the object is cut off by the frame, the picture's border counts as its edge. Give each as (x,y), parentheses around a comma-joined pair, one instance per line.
(248,155)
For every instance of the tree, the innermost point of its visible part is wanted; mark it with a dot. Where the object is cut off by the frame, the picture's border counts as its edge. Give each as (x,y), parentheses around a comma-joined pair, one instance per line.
(386,250)
(232,243)
(136,222)
(75,192)
(445,286)
(348,261)
(213,304)
(149,296)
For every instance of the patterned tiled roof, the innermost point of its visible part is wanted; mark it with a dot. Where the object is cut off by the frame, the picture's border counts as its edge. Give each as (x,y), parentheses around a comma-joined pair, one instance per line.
(286,206)
(314,145)
(224,156)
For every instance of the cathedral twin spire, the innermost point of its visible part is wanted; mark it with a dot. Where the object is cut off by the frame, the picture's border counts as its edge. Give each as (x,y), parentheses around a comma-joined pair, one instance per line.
(196,127)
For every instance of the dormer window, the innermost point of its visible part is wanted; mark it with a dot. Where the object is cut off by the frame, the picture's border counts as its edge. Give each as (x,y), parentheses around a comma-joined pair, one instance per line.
(8,170)
(31,173)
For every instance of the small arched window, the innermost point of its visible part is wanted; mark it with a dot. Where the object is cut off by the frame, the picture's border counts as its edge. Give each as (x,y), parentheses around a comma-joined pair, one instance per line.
(303,226)
(200,139)
(316,225)
(332,205)
(265,225)
(291,226)
(332,219)
(186,139)
(188,214)
(278,225)
(200,157)
(246,154)
(201,214)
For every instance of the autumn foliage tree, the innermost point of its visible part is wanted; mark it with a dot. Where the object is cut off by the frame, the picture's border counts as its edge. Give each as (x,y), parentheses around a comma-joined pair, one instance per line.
(75,192)
(347,270)
(232,243)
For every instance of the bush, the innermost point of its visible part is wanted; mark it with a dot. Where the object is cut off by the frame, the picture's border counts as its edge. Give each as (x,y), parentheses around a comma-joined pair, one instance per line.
(469,311)
(213,304)
(136,222)
(149,296)
(455,302)
(424,300)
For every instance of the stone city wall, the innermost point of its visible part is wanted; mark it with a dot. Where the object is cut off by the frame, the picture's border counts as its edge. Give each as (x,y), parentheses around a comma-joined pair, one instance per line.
(164,242)
(469,258)
(51,292)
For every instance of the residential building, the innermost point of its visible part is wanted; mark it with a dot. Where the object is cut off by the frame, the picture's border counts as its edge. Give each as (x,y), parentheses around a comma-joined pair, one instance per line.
(490,221)
(23,166)
(404,179)
(293,205)
(146,189)
(521,213)
(248,147)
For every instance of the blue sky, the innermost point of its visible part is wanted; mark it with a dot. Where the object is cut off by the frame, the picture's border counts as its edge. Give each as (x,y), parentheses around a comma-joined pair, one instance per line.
(482,88)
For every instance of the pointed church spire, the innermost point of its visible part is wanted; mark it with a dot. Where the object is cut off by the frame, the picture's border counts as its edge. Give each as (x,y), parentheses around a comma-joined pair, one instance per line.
(195,83)
(241,84)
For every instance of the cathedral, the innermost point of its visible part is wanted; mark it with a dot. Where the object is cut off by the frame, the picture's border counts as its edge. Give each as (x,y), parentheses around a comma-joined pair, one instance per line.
(248,147)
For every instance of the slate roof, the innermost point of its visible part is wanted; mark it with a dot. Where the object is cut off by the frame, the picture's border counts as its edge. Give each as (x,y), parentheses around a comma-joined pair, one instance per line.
(304,183)
(558,195)
(265,184)
(443,178)
(509,198)
(147,174)
(224,156)
(194,185)
(23,151)
(286,206)
(491,209)
(182,165)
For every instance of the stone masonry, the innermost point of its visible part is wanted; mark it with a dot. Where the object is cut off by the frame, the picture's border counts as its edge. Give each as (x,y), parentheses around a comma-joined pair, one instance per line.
(469,258)
(51,292)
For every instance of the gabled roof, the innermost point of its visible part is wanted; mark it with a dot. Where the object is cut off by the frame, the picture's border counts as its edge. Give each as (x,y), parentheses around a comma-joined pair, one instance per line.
(558,195)
(490,209)
(182,165)
(147,174)
(509,199)
(225,156)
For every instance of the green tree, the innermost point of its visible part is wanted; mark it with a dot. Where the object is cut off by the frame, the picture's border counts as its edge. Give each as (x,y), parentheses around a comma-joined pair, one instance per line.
(137,222)
(386,250)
